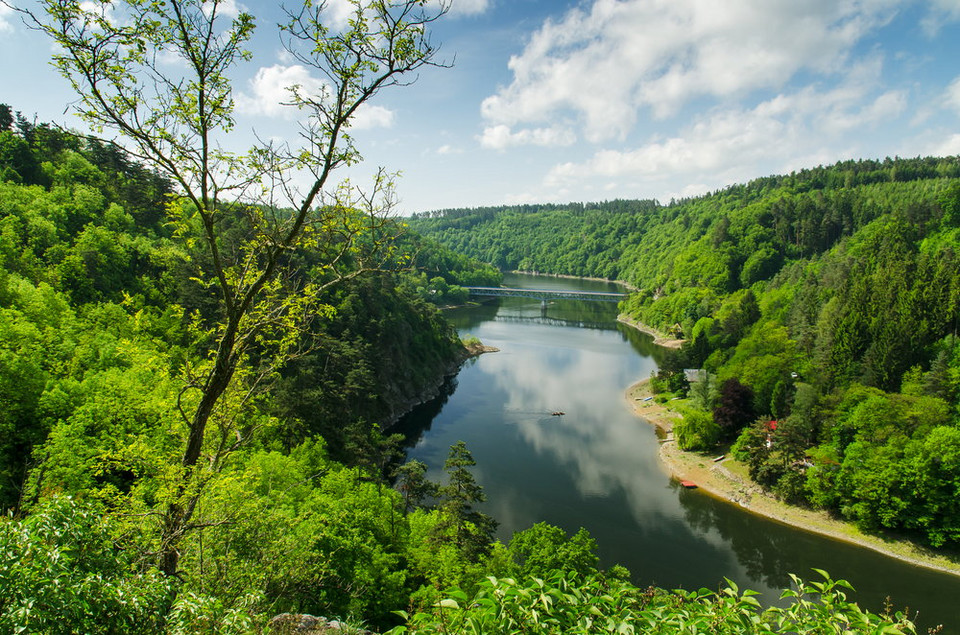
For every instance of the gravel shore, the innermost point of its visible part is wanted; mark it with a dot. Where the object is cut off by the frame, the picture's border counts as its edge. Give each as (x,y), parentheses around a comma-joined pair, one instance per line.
(724,480)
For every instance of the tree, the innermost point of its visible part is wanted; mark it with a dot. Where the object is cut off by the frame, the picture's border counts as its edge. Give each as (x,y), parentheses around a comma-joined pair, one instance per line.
(242,216)
(414,485)
(6,117)
(473,530)
(544,548)
(696,430)
(734,407)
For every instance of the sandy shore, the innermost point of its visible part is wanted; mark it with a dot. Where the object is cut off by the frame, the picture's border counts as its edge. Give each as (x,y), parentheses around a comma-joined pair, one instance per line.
(726,480)
(658,338)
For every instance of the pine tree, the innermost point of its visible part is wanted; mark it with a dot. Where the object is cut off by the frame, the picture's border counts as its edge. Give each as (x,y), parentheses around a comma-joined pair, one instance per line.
(472,529)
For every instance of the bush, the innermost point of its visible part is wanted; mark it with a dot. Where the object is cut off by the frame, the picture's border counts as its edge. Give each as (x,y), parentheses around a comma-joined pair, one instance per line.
(568,603)
(696,430)
(61,572)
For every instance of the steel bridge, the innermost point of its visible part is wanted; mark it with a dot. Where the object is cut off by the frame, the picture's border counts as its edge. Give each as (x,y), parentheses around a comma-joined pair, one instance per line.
(546,294)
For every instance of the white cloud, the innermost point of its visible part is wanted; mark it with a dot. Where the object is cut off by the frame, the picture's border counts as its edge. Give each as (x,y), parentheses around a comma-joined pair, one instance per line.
(448,149)
(941,12)
(225,8)
(735,142)
(269,92)
(501,137)
(338,12)
(471,7)
(952,96)
(461,7)
(108,12)
(5,14)
(608,63)
(948,147)
(368,116)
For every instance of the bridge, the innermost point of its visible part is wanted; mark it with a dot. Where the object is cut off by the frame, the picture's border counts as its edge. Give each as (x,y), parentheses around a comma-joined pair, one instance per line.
(546,294)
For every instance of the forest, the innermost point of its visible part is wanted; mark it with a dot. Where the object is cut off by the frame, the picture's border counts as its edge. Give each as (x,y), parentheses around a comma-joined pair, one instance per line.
(200,361)
(822,307)
(313,513)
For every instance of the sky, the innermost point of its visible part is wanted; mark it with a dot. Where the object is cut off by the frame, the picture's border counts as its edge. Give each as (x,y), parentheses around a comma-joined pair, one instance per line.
(553,101)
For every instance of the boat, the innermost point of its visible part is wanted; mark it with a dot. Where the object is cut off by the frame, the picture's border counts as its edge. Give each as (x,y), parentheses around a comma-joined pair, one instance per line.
(557,413)
(689,484)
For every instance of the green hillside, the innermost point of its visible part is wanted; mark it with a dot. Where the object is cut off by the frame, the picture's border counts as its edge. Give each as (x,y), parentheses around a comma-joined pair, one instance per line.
(826,300)
(105,322)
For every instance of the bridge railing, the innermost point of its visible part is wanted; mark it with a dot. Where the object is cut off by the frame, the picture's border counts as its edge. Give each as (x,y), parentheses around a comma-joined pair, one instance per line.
(546,294)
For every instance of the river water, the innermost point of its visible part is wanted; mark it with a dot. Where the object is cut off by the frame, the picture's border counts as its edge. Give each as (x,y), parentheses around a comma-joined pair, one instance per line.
(596,466)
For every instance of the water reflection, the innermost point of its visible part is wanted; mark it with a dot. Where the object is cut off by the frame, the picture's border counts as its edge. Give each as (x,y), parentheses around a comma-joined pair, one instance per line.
(761,555)
(596,465)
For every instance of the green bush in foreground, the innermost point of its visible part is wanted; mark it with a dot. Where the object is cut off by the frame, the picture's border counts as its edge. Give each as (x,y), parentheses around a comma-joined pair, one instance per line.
(61,572)
(567,603)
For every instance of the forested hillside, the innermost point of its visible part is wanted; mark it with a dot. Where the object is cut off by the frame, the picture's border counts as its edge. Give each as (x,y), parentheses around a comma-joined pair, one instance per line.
(103,322)
(102,319)
(824,306)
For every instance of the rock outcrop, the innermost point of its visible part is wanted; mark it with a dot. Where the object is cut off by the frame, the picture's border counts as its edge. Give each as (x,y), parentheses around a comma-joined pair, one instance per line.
(302,624)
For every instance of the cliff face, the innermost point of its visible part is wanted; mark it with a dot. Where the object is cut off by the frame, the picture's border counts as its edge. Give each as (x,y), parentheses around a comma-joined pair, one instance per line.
(401,396)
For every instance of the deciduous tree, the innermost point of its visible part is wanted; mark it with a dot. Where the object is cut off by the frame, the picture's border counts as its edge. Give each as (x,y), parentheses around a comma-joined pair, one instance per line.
(241,215)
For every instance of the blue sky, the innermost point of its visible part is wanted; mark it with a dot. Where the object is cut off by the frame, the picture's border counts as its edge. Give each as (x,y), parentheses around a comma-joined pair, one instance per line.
(557,101)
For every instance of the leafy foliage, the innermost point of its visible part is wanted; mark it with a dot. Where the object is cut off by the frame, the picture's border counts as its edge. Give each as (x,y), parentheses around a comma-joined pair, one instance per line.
(60,571)
(831,295)
(99,313)
(569,603)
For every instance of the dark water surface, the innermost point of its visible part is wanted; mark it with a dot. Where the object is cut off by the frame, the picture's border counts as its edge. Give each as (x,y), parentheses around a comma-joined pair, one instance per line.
(596,466)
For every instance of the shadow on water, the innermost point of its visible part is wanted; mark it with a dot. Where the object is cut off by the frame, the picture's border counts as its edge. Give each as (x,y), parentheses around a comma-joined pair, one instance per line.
(763,555)
(770,551)
(642,343)
(419,420)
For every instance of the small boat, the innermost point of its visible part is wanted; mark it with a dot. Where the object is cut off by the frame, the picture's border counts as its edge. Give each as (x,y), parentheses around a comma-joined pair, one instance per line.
(689,484)
(557,413)
(720,458)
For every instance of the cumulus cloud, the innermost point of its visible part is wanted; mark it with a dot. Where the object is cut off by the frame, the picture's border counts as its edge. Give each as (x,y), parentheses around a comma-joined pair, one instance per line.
(226,8)
(610,62)
(502,137)
(269,92)
(372,117)
(735,140)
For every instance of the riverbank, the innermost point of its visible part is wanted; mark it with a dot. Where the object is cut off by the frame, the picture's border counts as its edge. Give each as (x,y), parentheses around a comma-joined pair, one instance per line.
(727,480)
(472,348)
(660,339)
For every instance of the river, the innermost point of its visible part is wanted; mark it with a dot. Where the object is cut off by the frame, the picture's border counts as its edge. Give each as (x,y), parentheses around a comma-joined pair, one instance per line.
(596,465)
